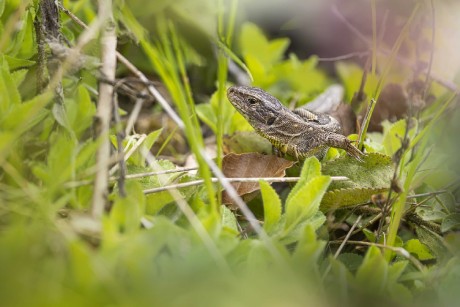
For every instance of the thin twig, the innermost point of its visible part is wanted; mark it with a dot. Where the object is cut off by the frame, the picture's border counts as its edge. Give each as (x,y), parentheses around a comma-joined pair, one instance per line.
(130,152)
(430,63)
(191,217)
(233,194)
(339,250)
(253,180)
(120,137)
(399,250)
(104,108)
(347,56)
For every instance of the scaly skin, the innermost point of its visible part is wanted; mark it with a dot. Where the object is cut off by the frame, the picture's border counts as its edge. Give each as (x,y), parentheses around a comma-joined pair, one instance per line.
(299,133)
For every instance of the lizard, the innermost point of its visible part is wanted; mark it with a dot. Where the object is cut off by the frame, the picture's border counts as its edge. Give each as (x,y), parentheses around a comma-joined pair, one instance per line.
(300,133)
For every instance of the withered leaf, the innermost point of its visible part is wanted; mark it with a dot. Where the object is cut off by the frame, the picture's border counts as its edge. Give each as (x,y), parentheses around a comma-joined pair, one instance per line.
(251,165)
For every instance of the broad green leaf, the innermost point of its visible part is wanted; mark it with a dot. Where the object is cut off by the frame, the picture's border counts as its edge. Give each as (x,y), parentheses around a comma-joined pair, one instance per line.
(19,76)
(372,274)
(434,242)
(370,236)
(303,78)
(309,248)
(23,44)
(9,95)
(81,264)
(420,250)
(272,206)
(259,259)
(351,261)
(305,202)
(15,63)
(6,138)
(451,222)
(206,114)
(395,271)
(137,157)
(366,178)
(26,115)
(229,219)
(157,201)
(80,111)
(127,211)
(253,42)
(311,168)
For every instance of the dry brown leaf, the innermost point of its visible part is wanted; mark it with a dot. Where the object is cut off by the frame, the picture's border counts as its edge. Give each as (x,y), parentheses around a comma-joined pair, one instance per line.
(251,165)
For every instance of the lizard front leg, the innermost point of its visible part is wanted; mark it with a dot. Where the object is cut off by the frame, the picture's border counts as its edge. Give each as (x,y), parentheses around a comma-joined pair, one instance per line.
(340,141)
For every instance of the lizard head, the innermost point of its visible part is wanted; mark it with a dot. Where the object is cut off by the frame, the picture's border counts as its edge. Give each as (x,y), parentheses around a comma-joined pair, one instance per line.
(256,105)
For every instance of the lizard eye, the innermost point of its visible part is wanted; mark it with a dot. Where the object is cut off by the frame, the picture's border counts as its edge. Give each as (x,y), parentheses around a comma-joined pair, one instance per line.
(252,100)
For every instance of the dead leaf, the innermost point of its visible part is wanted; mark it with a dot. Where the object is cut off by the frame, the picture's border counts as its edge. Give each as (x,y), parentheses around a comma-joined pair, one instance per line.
(251,165)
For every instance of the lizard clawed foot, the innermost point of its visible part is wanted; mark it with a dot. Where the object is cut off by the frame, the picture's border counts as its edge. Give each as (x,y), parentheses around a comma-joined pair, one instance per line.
(354,152)
(340,141)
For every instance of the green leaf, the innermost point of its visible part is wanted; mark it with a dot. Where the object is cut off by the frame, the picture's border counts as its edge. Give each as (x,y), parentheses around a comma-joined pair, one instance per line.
(370,236)
(80,111)
(372,274)
(19,76)
(127,211)
(9,94)
(137,157)
(302,76)
(23,44)
(434,242)
(351,261)
(254,43)
(452,221)
(6,138)
(206,114)
(370,177)
(26,115)
(308,248)
(272,206)
(311,168)
(395,271)
(420,250)
(305,202)
(229,219)
(15,63)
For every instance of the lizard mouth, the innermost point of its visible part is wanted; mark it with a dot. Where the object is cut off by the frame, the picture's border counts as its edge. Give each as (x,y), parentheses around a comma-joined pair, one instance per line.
(235,98)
